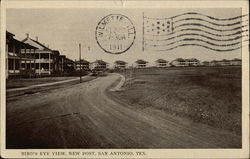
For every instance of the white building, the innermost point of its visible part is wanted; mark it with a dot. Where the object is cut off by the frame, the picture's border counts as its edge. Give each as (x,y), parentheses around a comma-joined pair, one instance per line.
(99,65)
(178,62)
(185,62)
(161,63)
(120,64)
(84,65)
(44,57)
(236,62)
(205,63)
(141,63)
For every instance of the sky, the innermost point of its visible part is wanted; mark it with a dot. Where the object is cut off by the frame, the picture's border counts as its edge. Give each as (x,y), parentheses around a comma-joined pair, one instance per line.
(64,29)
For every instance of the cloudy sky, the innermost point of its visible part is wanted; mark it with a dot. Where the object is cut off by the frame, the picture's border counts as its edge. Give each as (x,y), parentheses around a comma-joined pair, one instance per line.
(64,29)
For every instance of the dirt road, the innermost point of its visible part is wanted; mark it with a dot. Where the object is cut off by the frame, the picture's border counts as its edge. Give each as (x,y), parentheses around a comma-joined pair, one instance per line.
(85,116)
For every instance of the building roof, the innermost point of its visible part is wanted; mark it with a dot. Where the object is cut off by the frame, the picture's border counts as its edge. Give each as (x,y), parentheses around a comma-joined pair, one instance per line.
(236,59)
(9,34)
(37,43)
(82,61)
(120,62)
(140,61)
(214,61)
(100,62)
(180,60)
(62,56)
(193,59)
(69,61)
(22,45)
(46,48)
(186,60)
(56,52)
(161,61)
(224,60)
(65,59)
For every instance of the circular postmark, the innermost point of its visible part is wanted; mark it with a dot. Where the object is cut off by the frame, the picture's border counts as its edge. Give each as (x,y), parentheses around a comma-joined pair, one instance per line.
(115,33)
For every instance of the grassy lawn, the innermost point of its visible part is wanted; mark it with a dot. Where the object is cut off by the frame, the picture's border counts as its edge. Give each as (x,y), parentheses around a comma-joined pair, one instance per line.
(24,82)
(209,95)
(18,93)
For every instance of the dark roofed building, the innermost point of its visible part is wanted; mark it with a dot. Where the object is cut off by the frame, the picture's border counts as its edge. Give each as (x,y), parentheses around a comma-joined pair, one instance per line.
(120,64)
(141,63)
(44,57)
(192,62)
(84,65)
(205,63)
(161,63)
(99,64)
(56,59)
(224,62)
(185,62)
(236,62)
(178,62)
(61,63)
(214,63)
(69,65)
(14,58)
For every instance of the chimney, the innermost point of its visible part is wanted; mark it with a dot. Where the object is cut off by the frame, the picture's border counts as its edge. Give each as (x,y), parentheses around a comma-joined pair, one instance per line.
(27,35)
(36,38)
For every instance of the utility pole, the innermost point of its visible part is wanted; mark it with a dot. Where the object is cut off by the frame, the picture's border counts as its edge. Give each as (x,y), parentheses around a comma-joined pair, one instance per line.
(131,71)
(143,42)
(131,74)
(62,67)
(30,64)
(80,63)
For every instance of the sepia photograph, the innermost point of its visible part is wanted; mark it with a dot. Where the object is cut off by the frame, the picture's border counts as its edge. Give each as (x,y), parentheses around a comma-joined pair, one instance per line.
(126,78)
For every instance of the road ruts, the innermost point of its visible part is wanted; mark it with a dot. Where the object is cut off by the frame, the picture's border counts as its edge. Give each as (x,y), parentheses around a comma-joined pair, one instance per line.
(83,116)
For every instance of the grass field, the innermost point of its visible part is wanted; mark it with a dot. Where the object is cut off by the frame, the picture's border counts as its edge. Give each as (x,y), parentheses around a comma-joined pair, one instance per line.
(209,95)
(19,83)
(24,82)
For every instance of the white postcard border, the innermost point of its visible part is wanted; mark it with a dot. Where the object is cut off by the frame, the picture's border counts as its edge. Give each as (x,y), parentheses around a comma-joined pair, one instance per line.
(150,153)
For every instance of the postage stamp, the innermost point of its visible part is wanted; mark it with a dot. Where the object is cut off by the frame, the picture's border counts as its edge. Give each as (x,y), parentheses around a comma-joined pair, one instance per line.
(115,33)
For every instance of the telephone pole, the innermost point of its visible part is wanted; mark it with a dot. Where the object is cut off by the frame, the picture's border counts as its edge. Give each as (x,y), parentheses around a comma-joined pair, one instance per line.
(80,63)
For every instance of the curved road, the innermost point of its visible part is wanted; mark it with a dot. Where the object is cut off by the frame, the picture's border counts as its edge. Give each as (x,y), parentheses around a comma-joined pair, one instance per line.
(85,116)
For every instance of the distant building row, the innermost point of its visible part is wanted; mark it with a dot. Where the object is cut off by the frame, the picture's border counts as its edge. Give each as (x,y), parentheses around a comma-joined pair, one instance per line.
(224,62)
(160,63)
(180,62)
(31,58)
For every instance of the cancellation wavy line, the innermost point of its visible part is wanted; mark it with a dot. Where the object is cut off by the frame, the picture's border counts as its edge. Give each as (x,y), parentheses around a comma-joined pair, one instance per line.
(208,26)
(203,20)
(182,45)
(200,35)
(201,30)
(174,21)
(194,40)
(195,13)
(205,26)
(209,23)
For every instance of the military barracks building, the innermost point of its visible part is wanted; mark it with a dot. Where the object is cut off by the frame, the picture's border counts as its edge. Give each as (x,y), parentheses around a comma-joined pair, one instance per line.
(45,58)
(18,63)
(31,58)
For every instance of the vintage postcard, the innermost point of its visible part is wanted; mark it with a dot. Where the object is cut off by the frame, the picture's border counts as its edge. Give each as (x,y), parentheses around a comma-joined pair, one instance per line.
(124,79)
